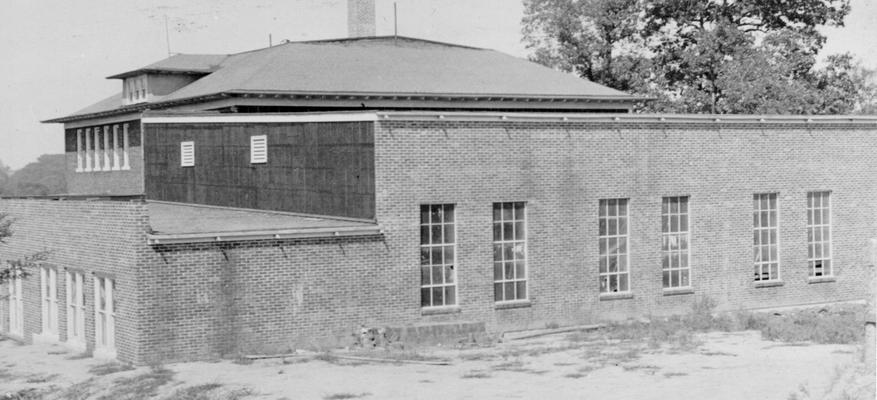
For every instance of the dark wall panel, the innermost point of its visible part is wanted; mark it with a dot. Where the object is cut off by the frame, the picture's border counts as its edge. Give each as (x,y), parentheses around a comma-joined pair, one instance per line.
(322,168)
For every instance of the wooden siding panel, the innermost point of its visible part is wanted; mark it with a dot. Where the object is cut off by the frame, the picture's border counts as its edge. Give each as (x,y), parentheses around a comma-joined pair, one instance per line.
(316,168)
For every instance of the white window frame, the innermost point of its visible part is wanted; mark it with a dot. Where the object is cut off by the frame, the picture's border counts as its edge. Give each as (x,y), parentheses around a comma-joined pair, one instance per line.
(97,150)
(510,252)
(16,307)
(125,150)
(258,149)
(49,302)
(106,136)
(187,154)
(75,309)
(116,165)
(819,247)
(607,252)
(89,152)
(104,314)
(675,242)
(759,244)
(430,266)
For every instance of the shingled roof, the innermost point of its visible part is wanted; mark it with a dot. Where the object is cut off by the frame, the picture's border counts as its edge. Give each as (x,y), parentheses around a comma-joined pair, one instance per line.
(375,66)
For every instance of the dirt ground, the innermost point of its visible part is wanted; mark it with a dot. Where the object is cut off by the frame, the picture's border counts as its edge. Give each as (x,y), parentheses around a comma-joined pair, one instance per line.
(717,365)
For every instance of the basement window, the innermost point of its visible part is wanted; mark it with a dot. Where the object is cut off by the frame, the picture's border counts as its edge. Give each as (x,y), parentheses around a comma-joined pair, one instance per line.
(187,154)
(613,240)
(438,277)
(258,149)
(765,237)
(819,234)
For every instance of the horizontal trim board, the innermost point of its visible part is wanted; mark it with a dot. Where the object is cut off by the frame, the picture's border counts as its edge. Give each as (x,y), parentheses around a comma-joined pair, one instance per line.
(621,118)
(261,118)
(156,239)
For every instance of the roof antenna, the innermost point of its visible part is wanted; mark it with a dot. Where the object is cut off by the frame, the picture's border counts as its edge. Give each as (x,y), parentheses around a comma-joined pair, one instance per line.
(395,25)
(167,36)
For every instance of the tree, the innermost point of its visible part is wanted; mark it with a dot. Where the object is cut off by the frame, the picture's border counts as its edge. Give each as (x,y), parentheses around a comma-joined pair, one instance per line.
(43,177)
(17,267)
(5,171)
(717,56)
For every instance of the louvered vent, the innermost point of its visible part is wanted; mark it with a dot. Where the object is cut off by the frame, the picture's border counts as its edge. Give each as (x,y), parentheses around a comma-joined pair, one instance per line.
(187,154)
(258,149)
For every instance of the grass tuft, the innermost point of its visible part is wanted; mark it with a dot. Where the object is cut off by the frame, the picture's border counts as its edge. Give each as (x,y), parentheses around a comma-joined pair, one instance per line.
(111,367)
(343,396)
(141,386)
(198,392)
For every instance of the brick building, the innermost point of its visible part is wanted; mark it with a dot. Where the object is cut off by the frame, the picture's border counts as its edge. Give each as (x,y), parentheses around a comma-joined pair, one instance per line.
(279,198)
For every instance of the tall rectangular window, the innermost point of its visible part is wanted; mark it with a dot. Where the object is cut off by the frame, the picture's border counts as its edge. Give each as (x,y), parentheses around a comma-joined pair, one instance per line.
(765,221)
(49,296)
(79,152)
(509,251)
(104,314)
(89,150)
(258,149)
(675,258)
(125,160)
(116,148)
(819,233)
(438,280)
(75,308)
(106,136)
(613,241)
(16,305)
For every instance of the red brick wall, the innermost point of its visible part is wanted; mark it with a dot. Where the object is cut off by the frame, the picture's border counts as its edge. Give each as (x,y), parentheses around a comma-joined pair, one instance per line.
(562,170)
(97,237)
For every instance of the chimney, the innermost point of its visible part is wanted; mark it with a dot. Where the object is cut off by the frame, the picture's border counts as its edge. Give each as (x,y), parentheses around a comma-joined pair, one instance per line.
(360,18)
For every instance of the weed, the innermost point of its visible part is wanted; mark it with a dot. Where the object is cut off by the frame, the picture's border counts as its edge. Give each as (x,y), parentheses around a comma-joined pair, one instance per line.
(476,374)
(198,392)
(342,396)
(141,386)
(111,367)
(839,325)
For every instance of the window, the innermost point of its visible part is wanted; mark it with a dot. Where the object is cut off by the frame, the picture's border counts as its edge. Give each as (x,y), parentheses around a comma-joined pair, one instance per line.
(116,166)
(49,300)
(16,306)
(97,149)
(104,314)
(88,150)
(75,308)
(79,151)
(509,251)
(613,236)
(438,280)
(258,149)
(187,154)
(819,233)
(765,237)
(674,242)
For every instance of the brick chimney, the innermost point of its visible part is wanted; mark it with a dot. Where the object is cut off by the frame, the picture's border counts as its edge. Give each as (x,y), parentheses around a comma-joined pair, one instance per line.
(360,18)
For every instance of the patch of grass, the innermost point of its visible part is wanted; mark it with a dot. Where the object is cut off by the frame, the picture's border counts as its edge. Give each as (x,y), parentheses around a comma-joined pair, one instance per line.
(476,374)
(343,396)
(198,392)
(717,353)
(79,391)
(835,325)
(111,367)
(480,356)
(403,355)
(574,375)
(79,356)
(240,393)
(39,378)
(649,369)
(138,387)
(672,374)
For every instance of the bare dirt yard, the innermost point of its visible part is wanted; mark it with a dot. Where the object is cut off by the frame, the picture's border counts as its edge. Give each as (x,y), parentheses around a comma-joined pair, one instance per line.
(813,354)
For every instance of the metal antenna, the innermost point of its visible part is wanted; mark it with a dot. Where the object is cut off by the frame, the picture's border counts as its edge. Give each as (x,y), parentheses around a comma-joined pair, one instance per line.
(167,36)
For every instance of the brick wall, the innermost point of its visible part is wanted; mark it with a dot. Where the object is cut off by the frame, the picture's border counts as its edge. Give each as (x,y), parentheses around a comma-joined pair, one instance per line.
(96,237)
(227,299)
(562,170)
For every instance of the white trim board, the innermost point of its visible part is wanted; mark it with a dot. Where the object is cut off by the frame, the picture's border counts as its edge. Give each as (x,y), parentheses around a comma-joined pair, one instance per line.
(261,118)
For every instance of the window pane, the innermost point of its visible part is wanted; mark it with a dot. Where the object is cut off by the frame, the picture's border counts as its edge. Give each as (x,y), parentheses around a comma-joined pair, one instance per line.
(438,296)
(424,276)
(508,231)
(449,213)
(449,233)
(497,211)
(436,234)
(449,274)
(450,295)
(509,291)
(520,272)
(497,231)
(497,292)
(437,274)
(521,287)
(622,226)
(520,231)
(448,255)
(497,271)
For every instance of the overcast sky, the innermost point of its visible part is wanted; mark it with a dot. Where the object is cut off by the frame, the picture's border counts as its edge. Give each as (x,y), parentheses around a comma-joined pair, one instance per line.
(57,53)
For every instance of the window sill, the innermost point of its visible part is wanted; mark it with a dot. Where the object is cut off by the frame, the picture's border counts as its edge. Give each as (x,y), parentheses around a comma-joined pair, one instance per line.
(440,310)
(821,279)
(616,296)
(512,304)
(763,284)
(678,291)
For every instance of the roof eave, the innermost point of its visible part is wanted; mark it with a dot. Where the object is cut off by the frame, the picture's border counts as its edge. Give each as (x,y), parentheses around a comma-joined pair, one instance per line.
(278,234)
(142,71)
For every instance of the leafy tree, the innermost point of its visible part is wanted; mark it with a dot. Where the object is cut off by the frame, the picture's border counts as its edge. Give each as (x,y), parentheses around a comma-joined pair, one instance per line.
(5,171)
(719,56)
(43,177)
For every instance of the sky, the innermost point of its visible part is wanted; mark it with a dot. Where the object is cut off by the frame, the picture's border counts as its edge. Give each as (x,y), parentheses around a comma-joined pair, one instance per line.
(56,54)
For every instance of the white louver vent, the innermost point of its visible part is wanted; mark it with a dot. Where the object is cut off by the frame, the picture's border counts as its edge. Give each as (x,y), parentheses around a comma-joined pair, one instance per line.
(187,154)
(258,149)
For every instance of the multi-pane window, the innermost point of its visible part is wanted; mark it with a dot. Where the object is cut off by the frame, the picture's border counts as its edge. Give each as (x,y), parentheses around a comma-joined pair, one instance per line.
(102,149)
(509,251)
(819,233)
(104,313)
(438,281)
(16,305)
(613,241)
(49,297)
(674,242)
(765,220)
(75,308)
